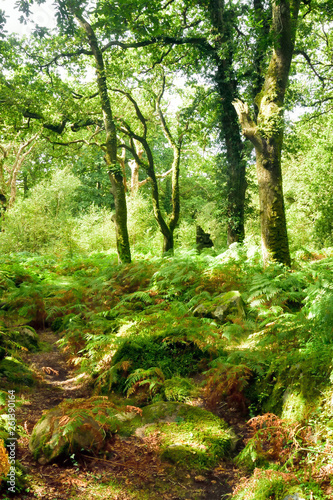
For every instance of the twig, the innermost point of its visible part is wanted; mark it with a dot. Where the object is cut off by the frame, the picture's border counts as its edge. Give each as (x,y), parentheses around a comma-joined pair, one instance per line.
(104,460)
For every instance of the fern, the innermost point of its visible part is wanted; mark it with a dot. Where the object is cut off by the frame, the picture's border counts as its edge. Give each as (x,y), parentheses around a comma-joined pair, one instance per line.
(140,296)
(110,376)
(227,381)
(152,377)
(179,389)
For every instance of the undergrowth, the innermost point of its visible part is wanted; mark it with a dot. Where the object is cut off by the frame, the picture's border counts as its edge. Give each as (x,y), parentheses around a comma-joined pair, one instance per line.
(133,330)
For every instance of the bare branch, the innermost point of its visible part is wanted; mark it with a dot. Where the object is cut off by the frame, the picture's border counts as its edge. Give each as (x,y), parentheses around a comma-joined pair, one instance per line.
(162,176)
(77,141)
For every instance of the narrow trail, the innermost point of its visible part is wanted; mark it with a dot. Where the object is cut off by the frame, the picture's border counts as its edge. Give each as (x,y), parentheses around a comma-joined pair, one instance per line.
(141,469)
(56,381)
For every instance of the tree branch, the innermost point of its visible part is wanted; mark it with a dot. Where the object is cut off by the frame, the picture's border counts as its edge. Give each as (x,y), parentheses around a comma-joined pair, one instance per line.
(164,40)
(137,109)
(162,118)
(308,60)
(249,127)
(159,61)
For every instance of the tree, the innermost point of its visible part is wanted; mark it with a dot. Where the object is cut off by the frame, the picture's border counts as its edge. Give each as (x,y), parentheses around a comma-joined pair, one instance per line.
(168,224)
(115,173)
(223,21)
(308,179)
(83,36)
(12,158)
(266,131)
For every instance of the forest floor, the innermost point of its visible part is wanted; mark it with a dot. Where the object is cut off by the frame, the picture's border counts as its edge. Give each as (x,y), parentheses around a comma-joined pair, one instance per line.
(134,471)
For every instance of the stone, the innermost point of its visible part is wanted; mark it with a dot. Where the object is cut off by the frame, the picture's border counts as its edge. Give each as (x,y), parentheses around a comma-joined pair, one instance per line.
(187,434)
(222,307)
(51,439)
(295,496)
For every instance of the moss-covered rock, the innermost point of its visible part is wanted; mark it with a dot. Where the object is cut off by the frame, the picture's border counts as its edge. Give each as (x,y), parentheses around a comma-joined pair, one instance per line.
(222,307)
(61,432)
(77,425)
(188,436)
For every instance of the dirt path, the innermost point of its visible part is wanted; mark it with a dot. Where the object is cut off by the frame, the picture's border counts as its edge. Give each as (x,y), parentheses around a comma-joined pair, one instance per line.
(136,465)
(56,382)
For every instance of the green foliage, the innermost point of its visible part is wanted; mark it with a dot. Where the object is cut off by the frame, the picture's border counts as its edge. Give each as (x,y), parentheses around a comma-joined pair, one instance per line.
(153,378)
(275,291)
(179,389)
(173,354)
(308,181)
(266,484)
(36,222)
(132,330)
(15,372)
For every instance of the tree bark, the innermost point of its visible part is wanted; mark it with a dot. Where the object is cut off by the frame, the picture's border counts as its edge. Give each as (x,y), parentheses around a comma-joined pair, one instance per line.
(115,173)
(229,125)
(266,133)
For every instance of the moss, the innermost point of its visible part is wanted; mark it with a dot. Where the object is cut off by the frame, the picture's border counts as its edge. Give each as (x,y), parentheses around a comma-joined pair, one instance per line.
(189,436)
(65,429)
(265,485)
(159,411)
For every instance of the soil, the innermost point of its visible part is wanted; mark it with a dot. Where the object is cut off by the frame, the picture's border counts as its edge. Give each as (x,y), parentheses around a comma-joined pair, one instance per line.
(133,463)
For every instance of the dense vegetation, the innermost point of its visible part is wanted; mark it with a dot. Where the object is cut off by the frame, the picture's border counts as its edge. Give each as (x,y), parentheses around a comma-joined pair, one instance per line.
(143,223)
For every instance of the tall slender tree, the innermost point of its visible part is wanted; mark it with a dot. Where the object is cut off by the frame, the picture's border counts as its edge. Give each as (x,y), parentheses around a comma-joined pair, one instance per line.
(115,172)
(73,24)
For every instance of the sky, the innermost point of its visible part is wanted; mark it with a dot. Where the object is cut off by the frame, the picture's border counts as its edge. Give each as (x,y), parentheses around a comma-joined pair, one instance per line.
(43,15)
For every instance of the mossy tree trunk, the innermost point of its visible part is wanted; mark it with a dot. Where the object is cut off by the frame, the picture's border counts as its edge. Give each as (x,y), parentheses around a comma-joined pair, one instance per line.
(115,172)
(266,132)
(223,20)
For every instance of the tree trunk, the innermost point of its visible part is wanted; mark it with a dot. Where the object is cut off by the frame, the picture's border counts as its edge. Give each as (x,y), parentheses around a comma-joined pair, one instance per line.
(236,179)
(115,174)
(175,196)
(165,228)
(229,125)
(168,243)
(274,238)
(267,132)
